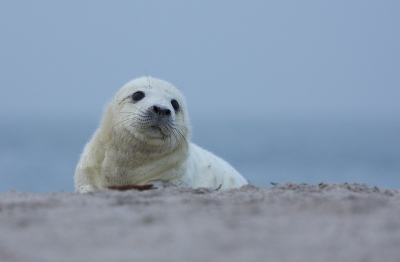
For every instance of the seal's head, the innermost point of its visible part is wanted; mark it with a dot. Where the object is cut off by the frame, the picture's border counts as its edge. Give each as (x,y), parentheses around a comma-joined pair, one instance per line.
(150,111)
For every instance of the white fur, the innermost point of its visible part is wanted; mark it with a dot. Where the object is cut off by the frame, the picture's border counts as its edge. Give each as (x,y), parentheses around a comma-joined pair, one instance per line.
(126,151)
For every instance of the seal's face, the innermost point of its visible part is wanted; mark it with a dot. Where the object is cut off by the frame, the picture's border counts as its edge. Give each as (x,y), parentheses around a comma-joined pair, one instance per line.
(152,111)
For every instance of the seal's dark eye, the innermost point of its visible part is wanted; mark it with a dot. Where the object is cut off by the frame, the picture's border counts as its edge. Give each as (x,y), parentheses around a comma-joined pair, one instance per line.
(137,96)
(175,105)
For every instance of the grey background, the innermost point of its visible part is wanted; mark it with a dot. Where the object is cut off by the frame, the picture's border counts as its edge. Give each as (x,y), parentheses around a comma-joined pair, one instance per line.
(286,91)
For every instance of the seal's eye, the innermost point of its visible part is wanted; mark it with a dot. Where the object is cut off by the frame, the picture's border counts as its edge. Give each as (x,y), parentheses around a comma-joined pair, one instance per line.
(175,105)
(137,96)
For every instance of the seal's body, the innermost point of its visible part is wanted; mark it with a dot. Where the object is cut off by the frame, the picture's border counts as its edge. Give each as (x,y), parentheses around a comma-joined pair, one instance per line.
(144,139)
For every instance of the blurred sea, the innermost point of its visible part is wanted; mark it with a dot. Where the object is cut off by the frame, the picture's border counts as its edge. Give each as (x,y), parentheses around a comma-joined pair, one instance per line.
(40,156)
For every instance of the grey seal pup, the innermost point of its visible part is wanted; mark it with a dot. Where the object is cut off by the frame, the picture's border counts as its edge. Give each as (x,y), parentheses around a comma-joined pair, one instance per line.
(144,139)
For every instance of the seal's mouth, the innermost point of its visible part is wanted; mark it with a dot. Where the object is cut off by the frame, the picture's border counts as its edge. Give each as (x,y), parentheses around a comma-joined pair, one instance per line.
(156,128)
(156,131)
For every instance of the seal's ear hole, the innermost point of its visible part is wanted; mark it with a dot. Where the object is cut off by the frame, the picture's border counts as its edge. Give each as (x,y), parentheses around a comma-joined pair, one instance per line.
(175,105)
(137,96)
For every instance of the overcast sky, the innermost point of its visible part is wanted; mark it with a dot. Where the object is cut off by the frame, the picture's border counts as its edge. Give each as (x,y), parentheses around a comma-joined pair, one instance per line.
(229,58)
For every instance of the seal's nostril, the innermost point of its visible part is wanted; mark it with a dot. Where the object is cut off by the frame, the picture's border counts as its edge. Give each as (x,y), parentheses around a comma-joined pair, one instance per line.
(167,112)
(156,109)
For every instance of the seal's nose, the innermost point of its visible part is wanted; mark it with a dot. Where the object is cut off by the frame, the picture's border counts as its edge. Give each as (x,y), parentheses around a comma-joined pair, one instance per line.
(161,111)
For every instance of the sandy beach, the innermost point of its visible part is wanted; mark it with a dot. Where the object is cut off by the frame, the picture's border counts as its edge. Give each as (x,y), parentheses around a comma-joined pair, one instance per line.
(289,222)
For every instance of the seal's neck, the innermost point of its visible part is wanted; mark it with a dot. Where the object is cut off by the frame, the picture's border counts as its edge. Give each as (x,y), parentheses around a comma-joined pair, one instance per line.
(137,162)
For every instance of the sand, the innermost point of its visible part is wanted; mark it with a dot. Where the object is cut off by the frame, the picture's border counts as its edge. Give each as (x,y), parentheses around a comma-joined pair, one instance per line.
(289,222)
